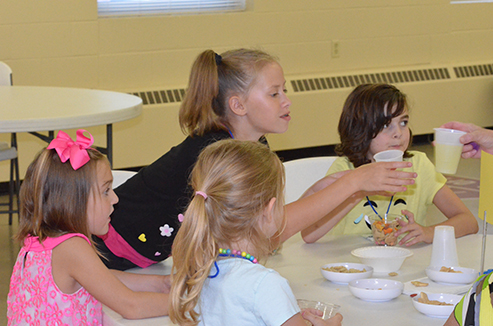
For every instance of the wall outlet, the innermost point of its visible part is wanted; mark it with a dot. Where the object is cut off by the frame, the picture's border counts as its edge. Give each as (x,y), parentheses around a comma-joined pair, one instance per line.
(336,49)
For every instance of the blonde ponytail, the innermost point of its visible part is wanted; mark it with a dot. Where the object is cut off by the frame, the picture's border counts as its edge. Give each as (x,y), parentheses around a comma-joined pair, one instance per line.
(212,82)
(195,258)
(234,182)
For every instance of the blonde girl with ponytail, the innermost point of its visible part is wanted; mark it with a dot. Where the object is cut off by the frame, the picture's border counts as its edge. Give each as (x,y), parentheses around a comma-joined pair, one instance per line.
(239,94)
(236,210)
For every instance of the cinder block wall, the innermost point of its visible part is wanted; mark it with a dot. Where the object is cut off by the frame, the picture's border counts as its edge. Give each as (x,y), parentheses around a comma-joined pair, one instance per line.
(64,43)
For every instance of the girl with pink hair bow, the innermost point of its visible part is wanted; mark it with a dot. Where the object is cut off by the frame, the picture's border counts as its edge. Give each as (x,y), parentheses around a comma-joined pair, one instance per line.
(58,278)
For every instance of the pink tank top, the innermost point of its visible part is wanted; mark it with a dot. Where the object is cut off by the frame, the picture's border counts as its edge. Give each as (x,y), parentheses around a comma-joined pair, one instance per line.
(35,298)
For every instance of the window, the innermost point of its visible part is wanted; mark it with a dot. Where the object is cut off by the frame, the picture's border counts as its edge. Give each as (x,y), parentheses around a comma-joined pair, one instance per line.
(108,8)
(470,1)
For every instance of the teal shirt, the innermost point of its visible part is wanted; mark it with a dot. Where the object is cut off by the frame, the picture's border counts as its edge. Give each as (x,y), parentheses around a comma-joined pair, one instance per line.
(416,199)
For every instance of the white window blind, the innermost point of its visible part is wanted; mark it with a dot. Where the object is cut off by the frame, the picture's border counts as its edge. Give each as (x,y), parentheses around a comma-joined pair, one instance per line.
(470,1)
(154,7)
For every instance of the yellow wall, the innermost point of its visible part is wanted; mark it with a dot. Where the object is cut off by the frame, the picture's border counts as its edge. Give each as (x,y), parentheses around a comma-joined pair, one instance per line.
(63,43)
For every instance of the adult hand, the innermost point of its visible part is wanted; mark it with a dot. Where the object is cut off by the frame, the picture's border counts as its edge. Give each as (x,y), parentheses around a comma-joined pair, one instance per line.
(317,321)
(476,139)
(383,176)
(415,233)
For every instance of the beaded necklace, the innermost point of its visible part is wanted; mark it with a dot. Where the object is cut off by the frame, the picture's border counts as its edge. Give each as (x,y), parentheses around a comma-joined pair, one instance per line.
(235,254)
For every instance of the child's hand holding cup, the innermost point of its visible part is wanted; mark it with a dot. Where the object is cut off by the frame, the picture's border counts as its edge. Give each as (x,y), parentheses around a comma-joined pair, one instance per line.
(319,309)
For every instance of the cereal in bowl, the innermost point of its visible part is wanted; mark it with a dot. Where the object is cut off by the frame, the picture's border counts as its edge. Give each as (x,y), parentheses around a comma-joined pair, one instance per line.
(343,269)
(424,299)
(449,270)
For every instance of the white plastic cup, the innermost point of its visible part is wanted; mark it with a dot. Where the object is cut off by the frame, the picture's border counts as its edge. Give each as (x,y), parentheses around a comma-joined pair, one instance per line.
(393,155)
(328,309)
(448,150)
(444,250)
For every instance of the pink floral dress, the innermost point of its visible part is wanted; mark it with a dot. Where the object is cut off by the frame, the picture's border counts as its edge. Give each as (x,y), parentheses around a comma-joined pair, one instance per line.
(34,298)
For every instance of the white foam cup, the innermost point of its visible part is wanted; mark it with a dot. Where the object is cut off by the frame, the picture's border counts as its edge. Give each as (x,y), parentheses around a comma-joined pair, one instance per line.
(444,250)
(393,155)
(448,150)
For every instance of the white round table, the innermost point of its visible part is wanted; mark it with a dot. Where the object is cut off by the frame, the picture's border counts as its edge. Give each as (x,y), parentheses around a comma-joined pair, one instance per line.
(36,108)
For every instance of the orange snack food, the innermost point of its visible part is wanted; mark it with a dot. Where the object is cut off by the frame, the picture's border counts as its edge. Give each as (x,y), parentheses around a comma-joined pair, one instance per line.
(384,232)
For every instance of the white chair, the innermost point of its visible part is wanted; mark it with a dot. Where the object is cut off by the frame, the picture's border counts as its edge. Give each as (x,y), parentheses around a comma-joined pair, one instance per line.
(9,152)
(5,74)
(120,176)
(301,174)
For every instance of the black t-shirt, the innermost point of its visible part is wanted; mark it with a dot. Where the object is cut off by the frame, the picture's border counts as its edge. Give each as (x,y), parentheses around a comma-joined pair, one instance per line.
(151,200)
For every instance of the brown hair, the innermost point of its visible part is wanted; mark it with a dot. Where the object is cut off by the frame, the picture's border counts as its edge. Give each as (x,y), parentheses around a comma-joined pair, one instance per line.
(213,80)
(54,197)
(240,178)
(367,110)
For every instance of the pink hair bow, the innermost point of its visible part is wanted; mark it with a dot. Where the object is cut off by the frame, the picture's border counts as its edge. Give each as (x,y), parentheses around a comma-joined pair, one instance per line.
(68,149)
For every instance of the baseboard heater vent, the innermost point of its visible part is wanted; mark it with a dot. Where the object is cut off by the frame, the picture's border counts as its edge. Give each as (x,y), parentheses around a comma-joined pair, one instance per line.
(164,96)
(474,71)
(346,81)
(168,96)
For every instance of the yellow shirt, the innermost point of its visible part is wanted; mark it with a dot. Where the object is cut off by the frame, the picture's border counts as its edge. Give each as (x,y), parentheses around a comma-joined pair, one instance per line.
(415,199)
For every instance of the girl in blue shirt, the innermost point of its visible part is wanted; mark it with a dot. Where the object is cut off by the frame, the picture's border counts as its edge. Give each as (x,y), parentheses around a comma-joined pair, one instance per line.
(230,224)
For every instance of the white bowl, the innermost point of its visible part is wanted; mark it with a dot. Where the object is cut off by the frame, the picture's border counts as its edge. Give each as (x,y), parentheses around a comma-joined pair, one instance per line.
(376,289)
(467,276)
(382,259)
(344,278)
(435,310)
